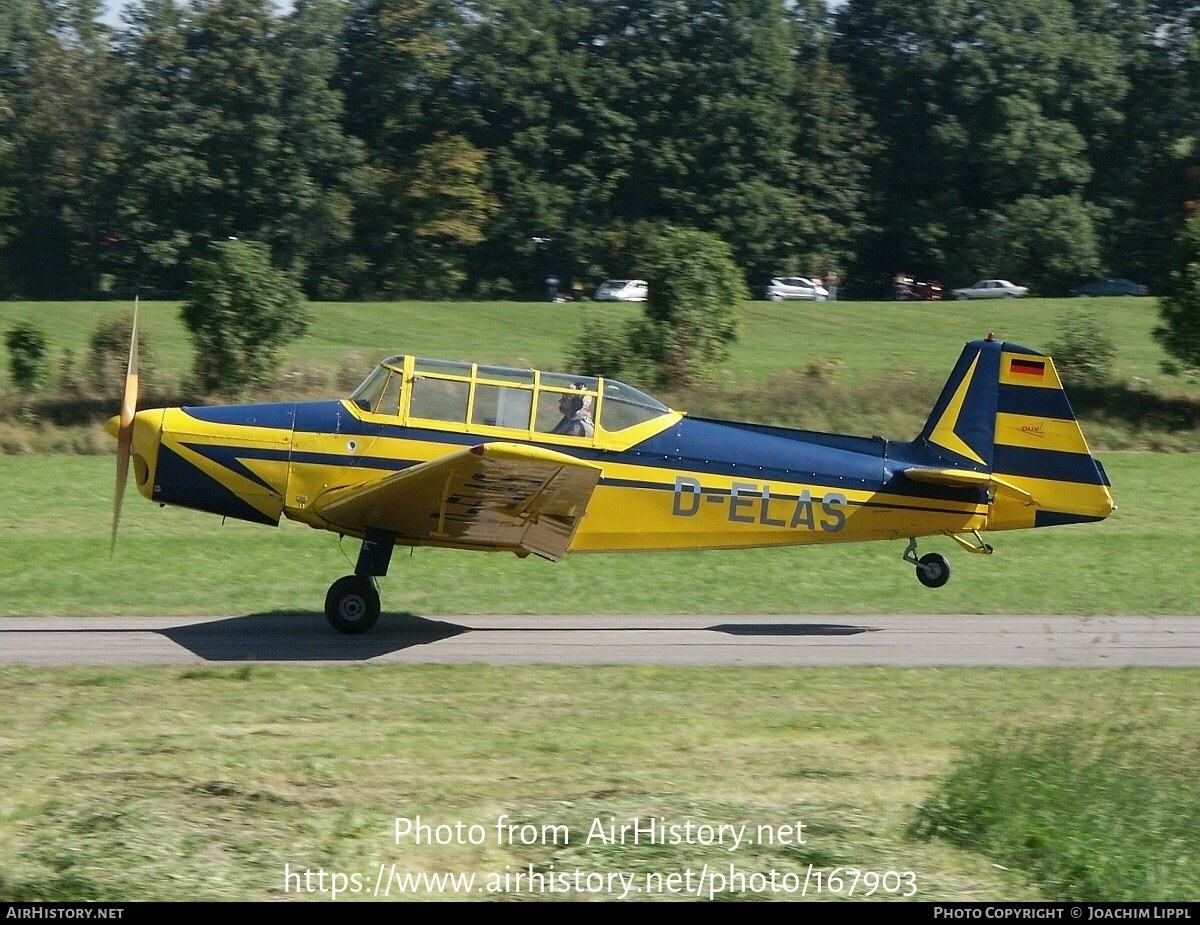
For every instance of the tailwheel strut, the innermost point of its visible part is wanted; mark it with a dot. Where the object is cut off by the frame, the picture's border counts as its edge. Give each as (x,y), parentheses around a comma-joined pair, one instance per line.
(933,569)
(979,547)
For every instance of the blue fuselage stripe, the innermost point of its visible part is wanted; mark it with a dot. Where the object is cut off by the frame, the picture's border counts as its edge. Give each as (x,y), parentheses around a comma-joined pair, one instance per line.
(1057,519)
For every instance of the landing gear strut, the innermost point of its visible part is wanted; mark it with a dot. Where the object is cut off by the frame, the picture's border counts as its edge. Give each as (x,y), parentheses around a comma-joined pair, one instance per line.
(933,569)
(352,604)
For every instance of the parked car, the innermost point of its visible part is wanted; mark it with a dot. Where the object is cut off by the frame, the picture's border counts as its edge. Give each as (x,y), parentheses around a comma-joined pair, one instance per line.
(1111,287)
(991,289)
(907,289)
(622,290)
(795,287)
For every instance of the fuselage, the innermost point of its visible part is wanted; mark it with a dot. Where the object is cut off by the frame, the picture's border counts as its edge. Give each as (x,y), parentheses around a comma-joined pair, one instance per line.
(1001,451)
(695,484)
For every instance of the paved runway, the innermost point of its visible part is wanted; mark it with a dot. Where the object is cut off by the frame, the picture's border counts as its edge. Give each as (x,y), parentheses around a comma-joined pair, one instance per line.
(905,640)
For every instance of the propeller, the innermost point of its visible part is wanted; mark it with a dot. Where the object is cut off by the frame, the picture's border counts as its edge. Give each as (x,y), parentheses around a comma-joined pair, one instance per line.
(125,429)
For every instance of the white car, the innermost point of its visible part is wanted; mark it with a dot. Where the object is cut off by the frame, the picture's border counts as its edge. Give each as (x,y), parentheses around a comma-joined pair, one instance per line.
(795,287)
(991,289)
(622,290)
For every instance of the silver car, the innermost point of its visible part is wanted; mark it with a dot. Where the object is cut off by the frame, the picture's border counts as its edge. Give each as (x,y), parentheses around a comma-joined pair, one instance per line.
(622,290)
(796,287)
(991,289)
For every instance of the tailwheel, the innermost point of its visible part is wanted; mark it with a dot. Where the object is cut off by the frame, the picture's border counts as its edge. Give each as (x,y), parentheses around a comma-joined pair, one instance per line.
(352,605)
(933,570)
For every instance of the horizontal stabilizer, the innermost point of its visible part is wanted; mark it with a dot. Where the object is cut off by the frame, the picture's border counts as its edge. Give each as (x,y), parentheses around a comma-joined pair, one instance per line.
(958,478)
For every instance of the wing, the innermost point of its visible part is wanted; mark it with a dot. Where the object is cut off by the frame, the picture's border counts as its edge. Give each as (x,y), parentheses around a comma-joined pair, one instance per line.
(492,496)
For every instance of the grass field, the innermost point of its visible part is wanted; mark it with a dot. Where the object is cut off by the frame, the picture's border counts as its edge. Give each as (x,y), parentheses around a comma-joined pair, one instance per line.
(204,783)
(869,337)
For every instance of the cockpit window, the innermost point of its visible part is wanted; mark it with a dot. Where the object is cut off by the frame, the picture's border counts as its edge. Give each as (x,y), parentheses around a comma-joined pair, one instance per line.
(566,405)
(367,396)
(503,397)
(624,406)
(440,390)
(467,395)
(389,402)
(439,399)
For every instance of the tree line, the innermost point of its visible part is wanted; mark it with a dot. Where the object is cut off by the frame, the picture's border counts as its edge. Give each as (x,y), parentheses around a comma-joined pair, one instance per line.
(434,148)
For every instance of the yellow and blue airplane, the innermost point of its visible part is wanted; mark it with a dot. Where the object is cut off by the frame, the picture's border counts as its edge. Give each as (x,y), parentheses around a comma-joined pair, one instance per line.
(437,453)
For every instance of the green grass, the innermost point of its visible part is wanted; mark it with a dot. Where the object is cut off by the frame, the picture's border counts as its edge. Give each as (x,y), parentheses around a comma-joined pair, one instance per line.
(516,333)
(1101,811)
(54,542)
(869,337)
(873,337)
(878,365)
(168,783)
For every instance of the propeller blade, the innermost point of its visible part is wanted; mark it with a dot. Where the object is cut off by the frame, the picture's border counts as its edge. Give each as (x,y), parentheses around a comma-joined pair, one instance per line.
(125,433)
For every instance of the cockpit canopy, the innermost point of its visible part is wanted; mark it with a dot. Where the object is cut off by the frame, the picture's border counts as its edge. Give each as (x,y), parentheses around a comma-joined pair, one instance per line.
(471,396)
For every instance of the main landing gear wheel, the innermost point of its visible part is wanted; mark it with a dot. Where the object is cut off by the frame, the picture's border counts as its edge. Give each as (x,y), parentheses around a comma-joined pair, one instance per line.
(352,605)
(933,570)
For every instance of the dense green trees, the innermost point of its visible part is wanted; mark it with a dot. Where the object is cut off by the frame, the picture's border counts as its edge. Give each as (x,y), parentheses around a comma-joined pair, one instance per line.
(431,148)
(232,128)
(1180,303)
(61,141)
(987,112)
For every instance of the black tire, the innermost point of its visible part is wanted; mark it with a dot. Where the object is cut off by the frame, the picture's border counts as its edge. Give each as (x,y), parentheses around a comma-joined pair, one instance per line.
(352,605)
(934,570)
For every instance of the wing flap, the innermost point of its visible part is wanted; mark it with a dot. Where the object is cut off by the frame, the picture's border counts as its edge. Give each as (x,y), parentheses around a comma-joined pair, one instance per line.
(492,496)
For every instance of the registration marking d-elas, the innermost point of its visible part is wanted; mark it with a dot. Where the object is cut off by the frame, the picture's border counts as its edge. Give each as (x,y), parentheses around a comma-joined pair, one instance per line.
(751,503)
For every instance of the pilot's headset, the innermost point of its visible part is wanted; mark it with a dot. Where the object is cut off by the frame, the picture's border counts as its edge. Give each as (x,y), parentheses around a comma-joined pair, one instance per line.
(581,403)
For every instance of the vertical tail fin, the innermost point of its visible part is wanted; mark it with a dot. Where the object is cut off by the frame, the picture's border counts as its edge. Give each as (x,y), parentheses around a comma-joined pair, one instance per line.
(1003,412)
(961,428)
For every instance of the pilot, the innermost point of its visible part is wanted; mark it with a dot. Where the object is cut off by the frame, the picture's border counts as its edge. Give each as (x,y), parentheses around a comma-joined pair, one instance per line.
(576,411)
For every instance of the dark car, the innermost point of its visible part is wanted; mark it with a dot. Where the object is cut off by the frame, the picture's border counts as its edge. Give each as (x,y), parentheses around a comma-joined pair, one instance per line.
(1111,287)
(907,289)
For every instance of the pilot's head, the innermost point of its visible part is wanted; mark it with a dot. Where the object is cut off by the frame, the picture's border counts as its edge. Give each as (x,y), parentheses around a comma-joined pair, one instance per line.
(573,404)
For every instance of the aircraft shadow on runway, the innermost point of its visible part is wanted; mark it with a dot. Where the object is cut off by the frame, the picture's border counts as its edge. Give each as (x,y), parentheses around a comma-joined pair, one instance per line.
(305,636)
